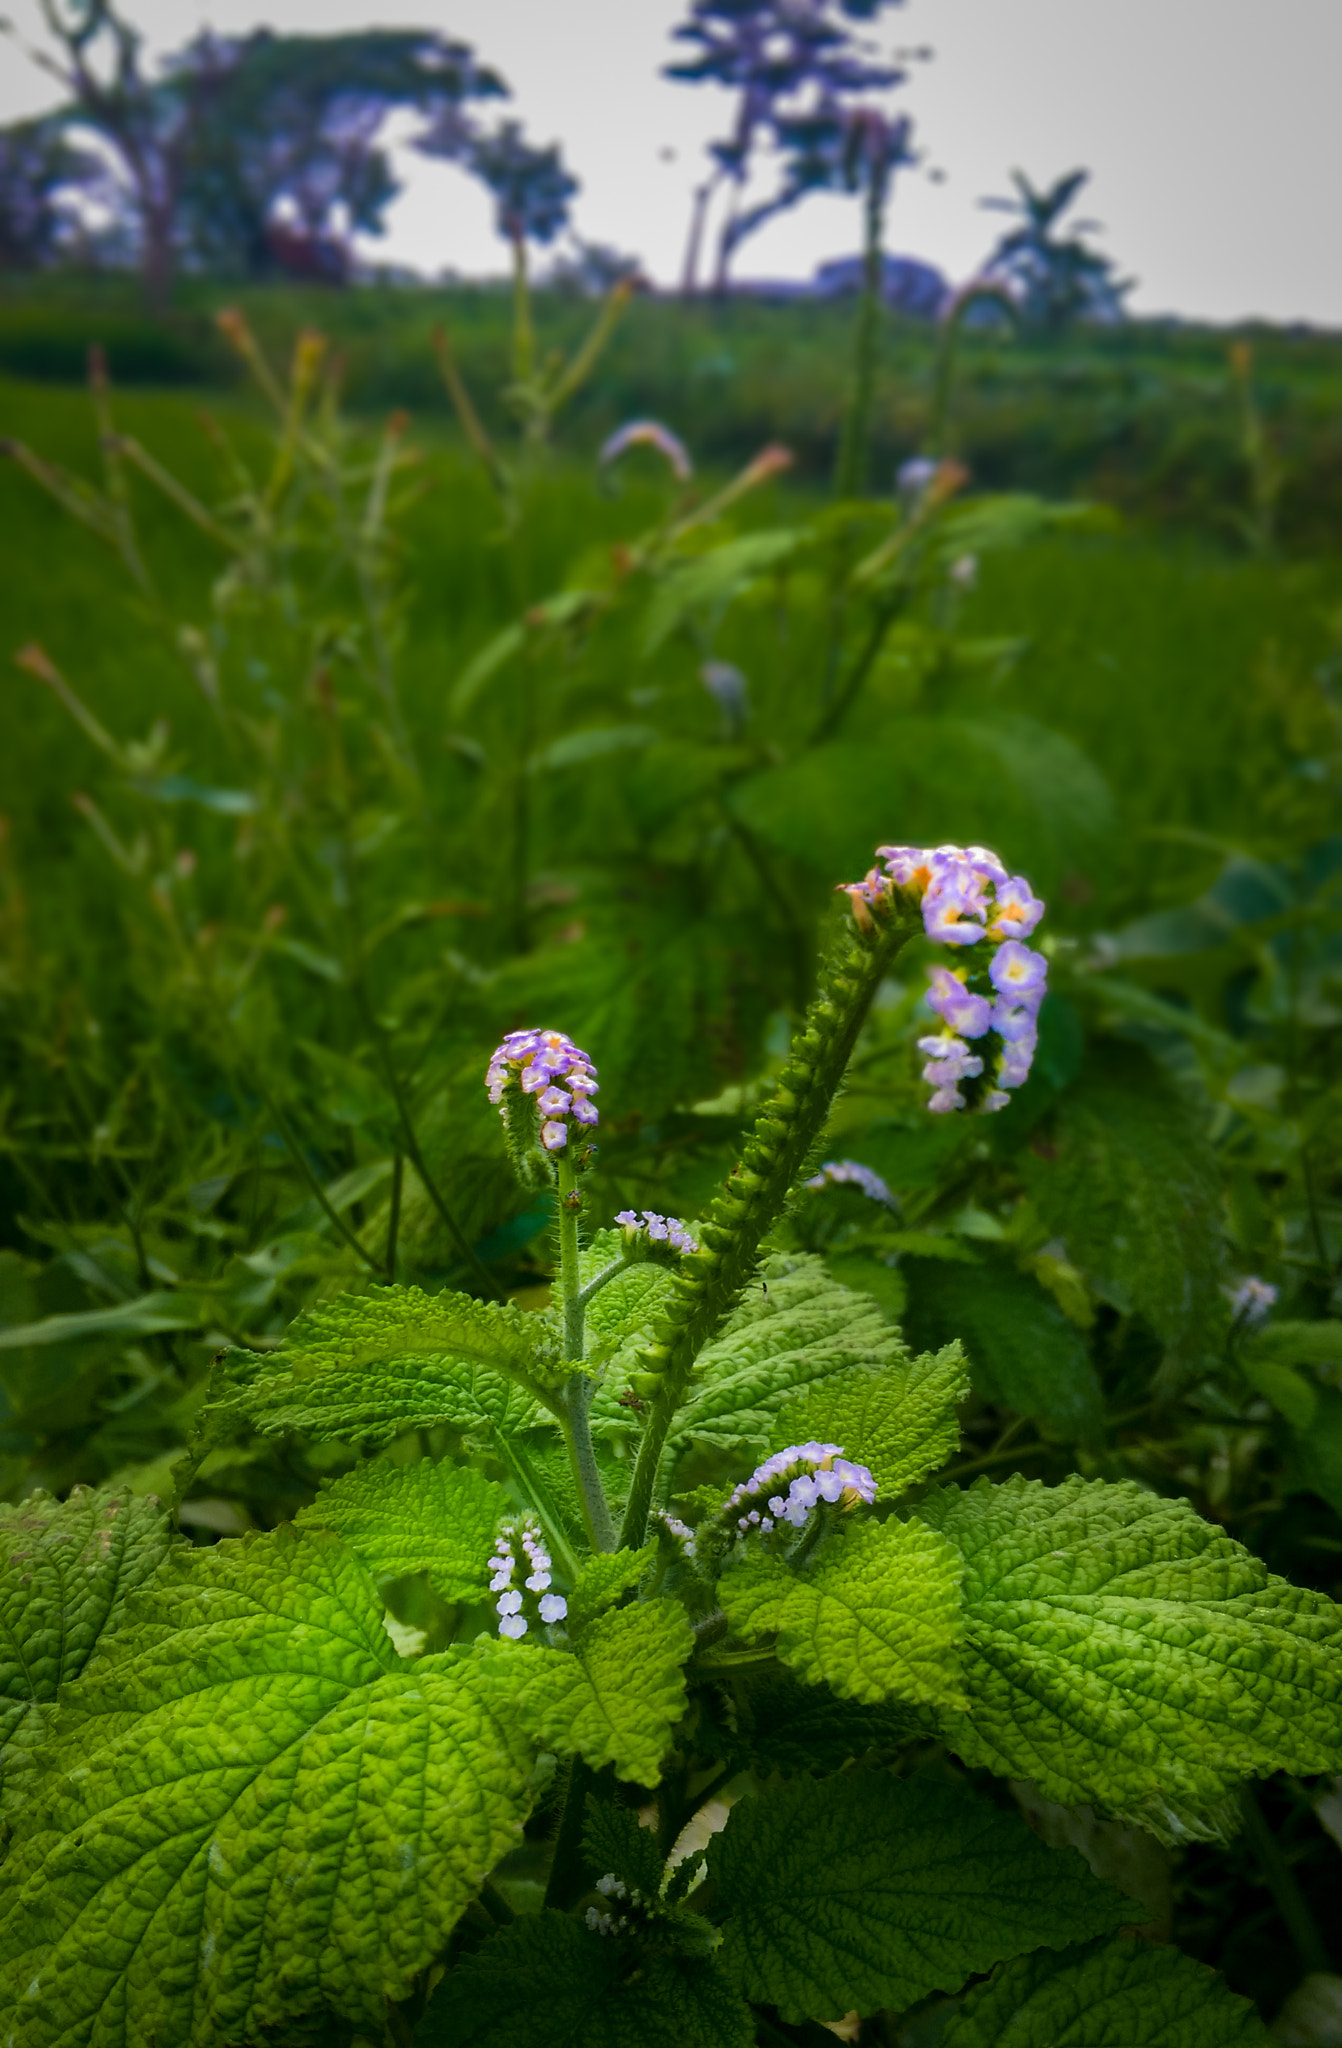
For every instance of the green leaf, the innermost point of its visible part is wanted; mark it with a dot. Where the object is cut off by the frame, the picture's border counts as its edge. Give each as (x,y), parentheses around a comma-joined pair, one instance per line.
(252,1811)
(1116,1994)
(990,777)
(432,1517)
(143,1317)
(67,1569)
(709,582)
(900,1423)
(366,1367)
(614,1698)
(547,1982)
(868,1891)
(1288,1343)
(782,1725)
(593,743)
(1023,1352)
(1314,1464)
(1130,1183)
(795,1328)
(604,1577)
(876,1615)
(613,1841)
(1124,1653)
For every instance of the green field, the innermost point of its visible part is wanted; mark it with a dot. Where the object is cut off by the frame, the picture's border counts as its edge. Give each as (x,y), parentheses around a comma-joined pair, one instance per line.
(311,834)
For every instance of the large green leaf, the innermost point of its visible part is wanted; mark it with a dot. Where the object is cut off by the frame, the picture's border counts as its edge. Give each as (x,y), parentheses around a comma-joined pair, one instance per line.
(1130,1183)
(1002,780)
(252,1811)
(365,1367)
(900,1423)
(1124,1653)
(431,1516)
(783,1725)
(797,1326)
(66,1571)
(1022,1350)
(614,1699)
(1116,1994)
(876,1616)
(548,1982)
(865,1891)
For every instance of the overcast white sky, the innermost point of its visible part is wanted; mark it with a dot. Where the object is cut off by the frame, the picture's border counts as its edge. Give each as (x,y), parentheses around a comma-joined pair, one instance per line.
(1212,129)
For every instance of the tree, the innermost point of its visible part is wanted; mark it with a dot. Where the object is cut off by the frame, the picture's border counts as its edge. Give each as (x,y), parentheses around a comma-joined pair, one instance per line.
(40,170)
(1054,279)
(287,164)
(794,66)
(246,151)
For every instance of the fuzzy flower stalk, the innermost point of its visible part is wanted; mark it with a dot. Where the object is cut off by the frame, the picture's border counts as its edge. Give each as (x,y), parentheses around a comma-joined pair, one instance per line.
(989,1007)
(776,1156)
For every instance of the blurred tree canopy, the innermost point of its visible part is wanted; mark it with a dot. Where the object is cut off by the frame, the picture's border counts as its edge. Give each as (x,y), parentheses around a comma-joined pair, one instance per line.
(248,155)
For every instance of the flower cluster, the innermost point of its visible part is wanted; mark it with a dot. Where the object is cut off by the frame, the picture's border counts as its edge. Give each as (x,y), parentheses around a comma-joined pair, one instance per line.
(661,1229)
(824,1475)
(519,1543)
(1253,1300)
(549,1066)
(612,1887)
(681,1531)
(965,894)
(851,1173)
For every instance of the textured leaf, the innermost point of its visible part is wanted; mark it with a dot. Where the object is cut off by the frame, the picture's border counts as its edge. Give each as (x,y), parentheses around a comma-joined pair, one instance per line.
(866,1891)
(604,1577)
(365,1367)
(253,1810)
(613,1841)
(876,1615)
(1130,1184)
(900,1423)
(1124,1653)
(66,1570)
(546,1982)
(803,1329)
(431,1517)
(614,1699)
(1023,1352)
(1116,1994)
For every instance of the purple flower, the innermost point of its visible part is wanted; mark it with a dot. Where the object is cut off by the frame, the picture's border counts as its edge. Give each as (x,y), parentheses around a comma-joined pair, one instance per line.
(660,1229)
(953,909)
(1017,973)
(944,1098)
(814,1472)
(553,1608)
(1019,1024)
(1253,1300)
(537,1062)
(648,434)
(852,1173)
(961,1010)
(1016,911)
(513,1626)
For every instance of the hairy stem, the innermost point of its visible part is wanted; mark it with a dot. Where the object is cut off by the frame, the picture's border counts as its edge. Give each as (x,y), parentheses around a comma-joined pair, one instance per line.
(582,1455)
(709,1283)
(1287,1896)
(567,1874)
(570,1272)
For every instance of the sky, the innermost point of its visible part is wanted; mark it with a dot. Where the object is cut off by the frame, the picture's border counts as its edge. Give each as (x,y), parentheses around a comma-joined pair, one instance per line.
(1210,128)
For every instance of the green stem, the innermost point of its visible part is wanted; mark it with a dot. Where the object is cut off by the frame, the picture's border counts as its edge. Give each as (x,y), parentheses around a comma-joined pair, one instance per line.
(567,1873)
(394,1217)
(708,1284)
(850,471)
(570,1270)
(1286,1893)
(582,1455)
